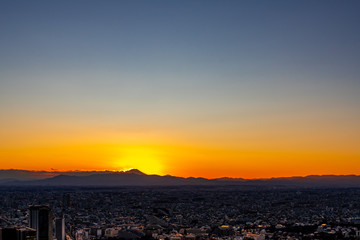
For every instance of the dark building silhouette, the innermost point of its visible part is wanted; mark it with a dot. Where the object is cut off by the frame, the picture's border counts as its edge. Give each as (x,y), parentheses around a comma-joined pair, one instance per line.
(14,233)
(26,234)
(60,228)
(41,220)
(9,234)
(66,200)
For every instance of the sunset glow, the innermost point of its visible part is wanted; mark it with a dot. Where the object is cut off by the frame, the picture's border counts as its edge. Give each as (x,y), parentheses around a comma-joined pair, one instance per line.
(221,89)
(146,160)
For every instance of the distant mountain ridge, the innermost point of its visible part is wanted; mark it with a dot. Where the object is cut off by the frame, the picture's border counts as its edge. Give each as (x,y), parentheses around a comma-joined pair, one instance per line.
(134,177)
(29,175)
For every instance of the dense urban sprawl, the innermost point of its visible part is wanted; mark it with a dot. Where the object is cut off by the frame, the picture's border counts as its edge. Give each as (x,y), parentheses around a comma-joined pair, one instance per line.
(188,213)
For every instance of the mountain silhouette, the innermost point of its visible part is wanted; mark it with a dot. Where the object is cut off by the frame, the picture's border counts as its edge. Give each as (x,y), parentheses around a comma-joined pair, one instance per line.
(135,177)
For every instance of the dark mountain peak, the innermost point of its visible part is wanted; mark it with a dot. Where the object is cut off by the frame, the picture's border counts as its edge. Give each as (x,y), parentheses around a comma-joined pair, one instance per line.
(134,171)
(135,177)
(64,176)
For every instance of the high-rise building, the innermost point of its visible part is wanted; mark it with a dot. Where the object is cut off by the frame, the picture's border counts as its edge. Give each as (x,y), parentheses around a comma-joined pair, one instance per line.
(9,233)
(16,233)
(66,200)
(41,220)
(26,234)
(60,228)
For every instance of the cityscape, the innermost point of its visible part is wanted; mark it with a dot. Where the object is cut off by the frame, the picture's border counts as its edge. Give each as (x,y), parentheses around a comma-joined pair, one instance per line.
(180,120)
(178,213)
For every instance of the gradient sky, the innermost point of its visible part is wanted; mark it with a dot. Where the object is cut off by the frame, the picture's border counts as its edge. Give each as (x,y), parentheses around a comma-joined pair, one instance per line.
(189,88)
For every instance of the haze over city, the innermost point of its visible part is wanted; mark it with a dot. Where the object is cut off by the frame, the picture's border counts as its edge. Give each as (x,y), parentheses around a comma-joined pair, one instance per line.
(245,89)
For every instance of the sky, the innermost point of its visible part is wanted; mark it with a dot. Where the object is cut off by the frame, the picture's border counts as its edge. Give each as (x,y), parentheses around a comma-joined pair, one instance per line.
(251,89)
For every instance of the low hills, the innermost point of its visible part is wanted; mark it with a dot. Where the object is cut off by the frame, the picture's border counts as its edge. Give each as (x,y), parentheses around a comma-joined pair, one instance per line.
(135,177)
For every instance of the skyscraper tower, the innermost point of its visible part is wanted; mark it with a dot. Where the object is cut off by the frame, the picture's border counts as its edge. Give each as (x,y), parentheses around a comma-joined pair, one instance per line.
(66,201)
(60,228)
(41,220)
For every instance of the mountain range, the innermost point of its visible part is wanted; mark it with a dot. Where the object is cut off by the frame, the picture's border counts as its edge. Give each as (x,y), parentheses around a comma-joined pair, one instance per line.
(135,177)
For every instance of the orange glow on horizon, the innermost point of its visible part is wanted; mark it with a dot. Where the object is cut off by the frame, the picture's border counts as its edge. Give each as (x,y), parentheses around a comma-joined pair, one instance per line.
(190,90)
(183,161)
(144,159)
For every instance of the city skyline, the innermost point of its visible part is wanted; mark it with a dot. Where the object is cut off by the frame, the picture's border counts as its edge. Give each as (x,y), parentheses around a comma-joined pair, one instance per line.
(193,89)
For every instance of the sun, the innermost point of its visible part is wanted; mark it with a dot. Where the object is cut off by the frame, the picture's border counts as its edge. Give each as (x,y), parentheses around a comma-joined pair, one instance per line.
(145,159)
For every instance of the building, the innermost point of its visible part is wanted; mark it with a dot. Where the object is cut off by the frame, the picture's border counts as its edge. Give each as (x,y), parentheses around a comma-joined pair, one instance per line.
(26,234)
(9,233)
(41,220)
(66,200)
(60,228)
(15,233)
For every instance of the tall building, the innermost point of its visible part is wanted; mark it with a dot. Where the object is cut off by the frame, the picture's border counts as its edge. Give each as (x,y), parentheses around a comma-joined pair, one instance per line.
(60,228)
(66,200)
(41,220)
(9,233)
(15,233)
(26,234)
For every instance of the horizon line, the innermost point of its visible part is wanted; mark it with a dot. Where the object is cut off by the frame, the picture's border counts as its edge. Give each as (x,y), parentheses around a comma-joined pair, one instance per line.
(127,170)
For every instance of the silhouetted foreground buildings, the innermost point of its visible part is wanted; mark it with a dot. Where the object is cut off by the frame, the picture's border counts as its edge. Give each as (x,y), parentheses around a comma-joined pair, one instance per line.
(41,220)
(178,213)
(16,233)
